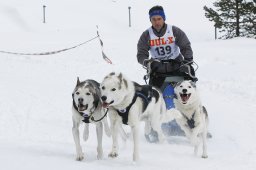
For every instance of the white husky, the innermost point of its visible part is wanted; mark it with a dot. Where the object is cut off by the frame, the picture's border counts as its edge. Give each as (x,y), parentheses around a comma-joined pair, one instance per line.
(87,108)
(194,118)
(129,103)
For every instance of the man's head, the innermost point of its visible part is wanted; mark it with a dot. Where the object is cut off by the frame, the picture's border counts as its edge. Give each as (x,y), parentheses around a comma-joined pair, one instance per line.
(157,17)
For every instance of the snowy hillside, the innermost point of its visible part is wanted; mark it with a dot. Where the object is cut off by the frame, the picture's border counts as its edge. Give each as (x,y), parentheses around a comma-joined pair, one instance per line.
(35,91)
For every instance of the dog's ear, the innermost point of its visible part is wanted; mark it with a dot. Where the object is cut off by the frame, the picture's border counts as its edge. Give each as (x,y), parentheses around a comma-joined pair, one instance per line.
(78,81)
(193,84)
(122,80)
(120,77)
(176,84)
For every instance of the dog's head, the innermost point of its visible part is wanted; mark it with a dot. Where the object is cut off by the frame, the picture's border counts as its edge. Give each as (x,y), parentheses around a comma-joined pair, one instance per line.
(113,89)
(86,96)
(185,91)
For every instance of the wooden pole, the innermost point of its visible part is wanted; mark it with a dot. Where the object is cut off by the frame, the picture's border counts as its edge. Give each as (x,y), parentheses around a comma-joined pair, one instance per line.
(129,8)
(44,13)
(216,33)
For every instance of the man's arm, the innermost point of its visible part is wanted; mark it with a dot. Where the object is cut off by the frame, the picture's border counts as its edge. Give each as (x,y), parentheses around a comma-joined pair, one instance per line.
(143,47)
(183,42)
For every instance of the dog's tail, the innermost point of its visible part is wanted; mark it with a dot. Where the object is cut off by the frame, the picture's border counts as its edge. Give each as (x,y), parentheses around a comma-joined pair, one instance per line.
(206,115)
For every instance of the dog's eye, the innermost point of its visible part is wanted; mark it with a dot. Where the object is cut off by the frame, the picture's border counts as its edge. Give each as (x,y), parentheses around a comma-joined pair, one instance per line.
(88,94)
(181,86)
(189,87)
(77,93)
(103,87)
(113,89)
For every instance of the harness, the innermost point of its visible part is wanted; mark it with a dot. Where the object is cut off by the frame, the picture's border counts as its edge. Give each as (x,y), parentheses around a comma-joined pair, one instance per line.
(146,93)
(190,122)
(88,118)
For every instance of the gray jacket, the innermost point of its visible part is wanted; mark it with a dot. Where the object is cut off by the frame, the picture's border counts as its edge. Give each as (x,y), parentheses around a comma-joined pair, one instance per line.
(180,39)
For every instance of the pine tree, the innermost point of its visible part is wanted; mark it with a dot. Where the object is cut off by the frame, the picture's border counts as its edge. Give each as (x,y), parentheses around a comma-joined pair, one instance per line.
(234,18)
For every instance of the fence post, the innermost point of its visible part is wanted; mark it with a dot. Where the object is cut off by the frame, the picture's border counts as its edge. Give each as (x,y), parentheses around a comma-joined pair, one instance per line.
(129,8)
(215,32)
(44,13)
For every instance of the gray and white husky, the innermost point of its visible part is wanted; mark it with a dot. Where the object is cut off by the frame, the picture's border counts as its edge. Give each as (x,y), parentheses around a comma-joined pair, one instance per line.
(129,103)
(193,118)
(87,108)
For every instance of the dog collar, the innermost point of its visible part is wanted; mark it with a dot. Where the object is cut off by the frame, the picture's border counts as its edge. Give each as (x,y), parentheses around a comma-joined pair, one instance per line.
(122,110)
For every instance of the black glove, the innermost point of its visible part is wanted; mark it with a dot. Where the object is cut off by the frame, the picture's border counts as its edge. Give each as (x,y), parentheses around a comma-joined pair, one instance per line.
(156,66)
(145,63)
(186,66)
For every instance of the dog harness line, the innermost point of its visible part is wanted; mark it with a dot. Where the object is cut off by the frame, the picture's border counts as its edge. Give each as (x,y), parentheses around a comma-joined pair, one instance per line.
(190,122)
(88,118)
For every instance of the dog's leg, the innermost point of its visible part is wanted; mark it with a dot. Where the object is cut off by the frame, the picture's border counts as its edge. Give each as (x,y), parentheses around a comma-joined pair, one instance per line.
(204,136)
(157,127)
(75,131)
(86,132)
(114,130)
(171,115)
(135,132)
(99,131)
(196,149)
(195,134)
(147,128)
(196,145)
(106,127)
(186,129)
(123,134)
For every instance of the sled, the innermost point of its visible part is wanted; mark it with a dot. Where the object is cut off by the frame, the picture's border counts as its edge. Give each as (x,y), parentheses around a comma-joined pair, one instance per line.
(171,128)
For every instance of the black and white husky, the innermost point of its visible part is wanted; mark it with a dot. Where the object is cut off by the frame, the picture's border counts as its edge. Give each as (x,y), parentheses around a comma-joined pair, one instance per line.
(193,118)
(129,103)
(87,108)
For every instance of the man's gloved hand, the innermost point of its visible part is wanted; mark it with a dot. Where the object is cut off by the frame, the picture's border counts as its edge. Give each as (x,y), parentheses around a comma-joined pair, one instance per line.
(156,65)
(146,62)
(185,66)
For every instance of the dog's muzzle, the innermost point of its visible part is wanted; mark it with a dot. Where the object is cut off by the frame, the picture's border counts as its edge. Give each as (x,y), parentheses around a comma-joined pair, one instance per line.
(185,97)
(82,107)
(106,105)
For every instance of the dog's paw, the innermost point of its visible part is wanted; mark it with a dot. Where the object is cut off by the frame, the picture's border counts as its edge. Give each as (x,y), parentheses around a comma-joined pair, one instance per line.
(204,156)
(113,154)
(100,156)
(100,153)
(80,156)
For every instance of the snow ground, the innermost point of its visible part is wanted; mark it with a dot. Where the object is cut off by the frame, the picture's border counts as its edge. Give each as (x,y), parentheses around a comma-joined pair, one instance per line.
(35,91)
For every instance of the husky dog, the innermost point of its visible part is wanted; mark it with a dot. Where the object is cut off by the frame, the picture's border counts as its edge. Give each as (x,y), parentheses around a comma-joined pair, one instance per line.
(87,108)
(193,118)
(129,103)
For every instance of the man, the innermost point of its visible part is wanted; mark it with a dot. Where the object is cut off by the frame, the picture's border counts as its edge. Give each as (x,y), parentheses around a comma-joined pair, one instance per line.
(167,43)
(171,47)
